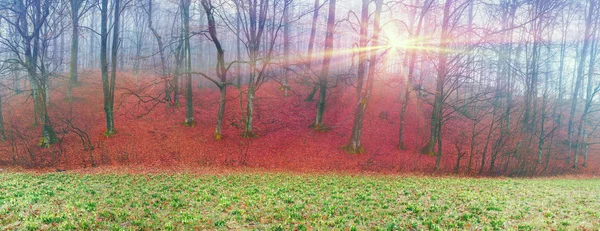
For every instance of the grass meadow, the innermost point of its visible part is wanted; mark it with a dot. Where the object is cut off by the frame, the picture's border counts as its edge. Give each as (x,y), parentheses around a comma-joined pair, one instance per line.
(285,201)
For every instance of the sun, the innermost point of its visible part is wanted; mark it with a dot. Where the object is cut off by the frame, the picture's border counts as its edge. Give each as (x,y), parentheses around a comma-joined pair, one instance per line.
(397,43)
(392,39)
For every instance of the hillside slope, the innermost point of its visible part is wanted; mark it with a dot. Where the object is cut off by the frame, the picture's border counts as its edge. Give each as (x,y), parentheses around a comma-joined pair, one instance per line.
(152,134)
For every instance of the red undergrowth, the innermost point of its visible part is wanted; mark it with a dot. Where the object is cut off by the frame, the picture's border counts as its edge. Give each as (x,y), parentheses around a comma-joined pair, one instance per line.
(151,134)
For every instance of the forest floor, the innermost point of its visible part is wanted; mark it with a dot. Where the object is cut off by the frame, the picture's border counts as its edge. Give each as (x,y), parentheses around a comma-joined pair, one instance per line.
(151,134)
(284,201)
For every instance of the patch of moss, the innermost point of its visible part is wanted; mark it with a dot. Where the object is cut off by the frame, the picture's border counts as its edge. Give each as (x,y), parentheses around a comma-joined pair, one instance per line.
(249,134)
(351,150)
(44,143)
(109,133)
(320,127)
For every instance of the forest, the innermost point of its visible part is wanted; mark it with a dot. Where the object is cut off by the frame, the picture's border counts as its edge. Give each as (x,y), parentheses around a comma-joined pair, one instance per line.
(473,87)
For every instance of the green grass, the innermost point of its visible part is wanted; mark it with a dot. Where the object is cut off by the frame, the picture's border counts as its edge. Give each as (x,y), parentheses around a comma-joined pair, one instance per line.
(291,202)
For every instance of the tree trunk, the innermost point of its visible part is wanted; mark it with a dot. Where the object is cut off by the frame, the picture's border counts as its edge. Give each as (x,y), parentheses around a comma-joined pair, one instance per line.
(16,79)
(311,44)
(121,33)
(257,19)
(362,44)
(563,50)
(531,95)
(359,111)
(438,158)
(542,136)
(286,45)
(363,98)
(92,54)
(585,155)
(589,93)
(436,115)
(313,33)
(312,93)
(248,133)
(38,80)
(108,84)
(55,53)
(222,100)
(200,65)
(177,73)
(459,156)
(138,54)
(114,55)
(328,49)
(405,102)
(161,52)
(62,53)
(411,72)
(470,72)
(221,70)
(2,133)
(29,62)
(238,54)
(579,78)
(189,106)
(48,135)
(472,146)
(75,5)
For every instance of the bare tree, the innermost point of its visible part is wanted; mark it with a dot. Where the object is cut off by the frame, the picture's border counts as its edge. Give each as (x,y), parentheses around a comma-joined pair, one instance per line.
(365,95)
(139,19)
(76,13)
(189,106)
(411,59)
(254,15)
(286,45)
(580,75)
(442,71)
(161,52)
(28,19)
(221,69)
(311,45)
(108,84)
(327,54)
(2,133)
